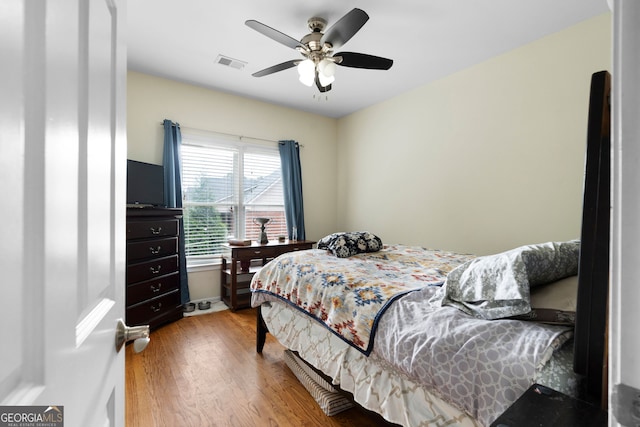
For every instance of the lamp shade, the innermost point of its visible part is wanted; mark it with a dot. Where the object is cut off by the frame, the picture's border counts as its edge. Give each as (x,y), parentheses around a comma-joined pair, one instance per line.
(307,72)
(326,68)
(326,71)
(324,80)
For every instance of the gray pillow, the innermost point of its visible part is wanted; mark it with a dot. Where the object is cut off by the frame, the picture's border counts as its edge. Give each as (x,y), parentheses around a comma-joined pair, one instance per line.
(548,262)
(498,286)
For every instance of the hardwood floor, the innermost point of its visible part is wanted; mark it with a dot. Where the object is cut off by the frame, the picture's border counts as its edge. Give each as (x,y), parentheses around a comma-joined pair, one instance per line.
(204,371)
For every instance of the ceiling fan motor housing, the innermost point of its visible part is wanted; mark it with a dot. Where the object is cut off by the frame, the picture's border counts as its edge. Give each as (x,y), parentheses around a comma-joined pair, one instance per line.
(313,44)
(317,24)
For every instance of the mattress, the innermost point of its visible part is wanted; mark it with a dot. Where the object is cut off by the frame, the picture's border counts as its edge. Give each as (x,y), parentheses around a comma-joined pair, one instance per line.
(382,388)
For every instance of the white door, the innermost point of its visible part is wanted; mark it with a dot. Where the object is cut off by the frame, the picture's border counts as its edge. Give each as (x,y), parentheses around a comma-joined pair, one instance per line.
(624,316)
(62,184)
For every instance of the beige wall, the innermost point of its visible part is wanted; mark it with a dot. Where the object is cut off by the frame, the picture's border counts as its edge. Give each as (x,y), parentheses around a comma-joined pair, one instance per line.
(150,100)
(481,161)
(484,160)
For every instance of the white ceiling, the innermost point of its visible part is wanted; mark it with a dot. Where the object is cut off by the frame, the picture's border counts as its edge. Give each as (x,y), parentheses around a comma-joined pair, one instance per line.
(427,39)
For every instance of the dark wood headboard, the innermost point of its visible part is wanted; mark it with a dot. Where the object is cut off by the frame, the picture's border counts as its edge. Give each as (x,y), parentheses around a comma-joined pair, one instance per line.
(590,349)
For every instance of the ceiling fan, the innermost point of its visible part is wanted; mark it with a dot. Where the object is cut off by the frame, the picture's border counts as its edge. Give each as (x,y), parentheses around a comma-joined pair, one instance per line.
(319,62)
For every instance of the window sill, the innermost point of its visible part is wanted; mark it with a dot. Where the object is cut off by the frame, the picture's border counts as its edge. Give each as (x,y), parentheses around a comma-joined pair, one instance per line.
(196,265)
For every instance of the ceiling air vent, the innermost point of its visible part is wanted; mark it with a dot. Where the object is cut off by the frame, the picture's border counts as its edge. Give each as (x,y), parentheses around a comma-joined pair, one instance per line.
(230,62)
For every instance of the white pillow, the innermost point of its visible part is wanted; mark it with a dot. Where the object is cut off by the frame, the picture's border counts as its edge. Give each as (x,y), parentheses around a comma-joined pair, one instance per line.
(554,302)
(560,295)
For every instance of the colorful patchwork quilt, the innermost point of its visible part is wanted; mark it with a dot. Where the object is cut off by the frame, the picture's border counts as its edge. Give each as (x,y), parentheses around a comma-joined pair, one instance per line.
(348,295)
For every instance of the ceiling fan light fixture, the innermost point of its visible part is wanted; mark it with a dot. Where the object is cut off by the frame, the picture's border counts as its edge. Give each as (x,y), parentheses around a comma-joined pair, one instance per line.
(307,70)
(319,65)
(324,80)
(326,72)
(305,80)
(326,68)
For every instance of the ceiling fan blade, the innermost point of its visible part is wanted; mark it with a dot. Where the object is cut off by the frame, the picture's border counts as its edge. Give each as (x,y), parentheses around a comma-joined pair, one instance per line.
(340,32)
(276,68)
(362,60)
(273,34)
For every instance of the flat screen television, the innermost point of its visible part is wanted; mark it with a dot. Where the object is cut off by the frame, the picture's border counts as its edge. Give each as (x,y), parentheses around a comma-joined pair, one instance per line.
(145,184)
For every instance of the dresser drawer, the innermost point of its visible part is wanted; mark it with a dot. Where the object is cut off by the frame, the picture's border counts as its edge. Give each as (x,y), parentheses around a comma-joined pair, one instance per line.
(146,311)
(301,246)
(141,249)
(249,253)
(152,228)
(152,288)
(151,269)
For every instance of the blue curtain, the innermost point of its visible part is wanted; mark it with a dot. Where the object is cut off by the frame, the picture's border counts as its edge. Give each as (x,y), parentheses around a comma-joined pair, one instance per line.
(292,187)
(173,193)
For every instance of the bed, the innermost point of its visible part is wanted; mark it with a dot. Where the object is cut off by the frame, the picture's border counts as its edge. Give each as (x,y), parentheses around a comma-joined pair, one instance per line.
(426,337)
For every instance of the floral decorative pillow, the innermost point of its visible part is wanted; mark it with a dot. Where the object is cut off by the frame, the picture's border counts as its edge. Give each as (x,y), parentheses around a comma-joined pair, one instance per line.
(346,244)
(548,262)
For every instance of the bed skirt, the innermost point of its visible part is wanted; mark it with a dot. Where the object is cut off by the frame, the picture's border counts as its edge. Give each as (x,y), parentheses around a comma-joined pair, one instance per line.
(375,385)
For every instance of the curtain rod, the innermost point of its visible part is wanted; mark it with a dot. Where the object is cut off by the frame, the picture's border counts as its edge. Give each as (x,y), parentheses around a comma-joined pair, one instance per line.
(240,137)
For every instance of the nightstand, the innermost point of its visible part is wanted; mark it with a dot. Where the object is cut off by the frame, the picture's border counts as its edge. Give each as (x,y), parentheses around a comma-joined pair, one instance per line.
(541,406)
(238,269)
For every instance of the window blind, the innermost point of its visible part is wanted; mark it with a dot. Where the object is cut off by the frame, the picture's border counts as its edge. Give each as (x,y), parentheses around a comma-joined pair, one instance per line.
(226,185)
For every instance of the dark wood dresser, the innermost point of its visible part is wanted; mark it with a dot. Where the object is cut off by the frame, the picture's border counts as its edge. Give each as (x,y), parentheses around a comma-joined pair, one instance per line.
(153,267)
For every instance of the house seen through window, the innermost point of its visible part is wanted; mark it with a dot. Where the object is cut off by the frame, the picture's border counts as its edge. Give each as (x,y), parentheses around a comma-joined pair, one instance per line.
(226,184)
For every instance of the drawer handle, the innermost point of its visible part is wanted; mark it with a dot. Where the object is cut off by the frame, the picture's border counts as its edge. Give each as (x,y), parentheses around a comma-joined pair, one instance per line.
(155,270)
(257,252)
(156,289)
(156,309)
(156,250)
(155,230)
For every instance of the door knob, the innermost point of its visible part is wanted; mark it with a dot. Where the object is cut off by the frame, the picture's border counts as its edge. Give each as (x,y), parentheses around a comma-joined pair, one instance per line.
(138,334)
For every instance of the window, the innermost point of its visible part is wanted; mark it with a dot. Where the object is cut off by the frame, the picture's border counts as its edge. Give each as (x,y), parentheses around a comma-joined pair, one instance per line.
(225,185)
